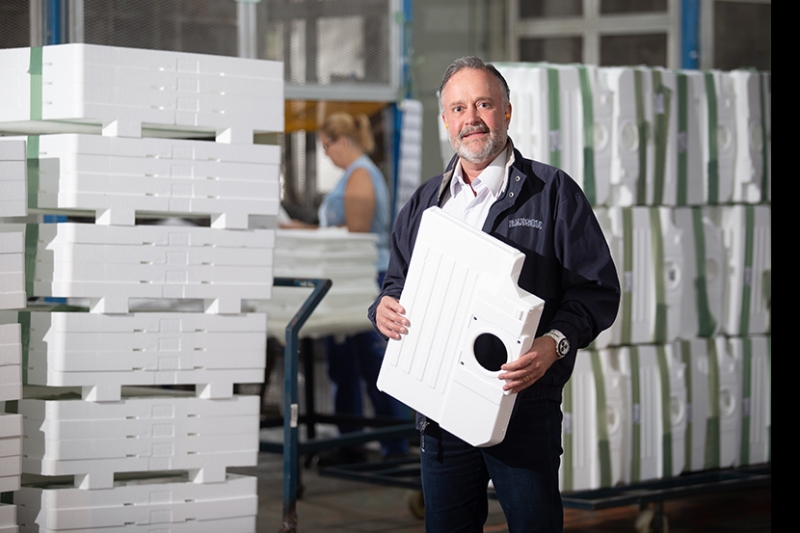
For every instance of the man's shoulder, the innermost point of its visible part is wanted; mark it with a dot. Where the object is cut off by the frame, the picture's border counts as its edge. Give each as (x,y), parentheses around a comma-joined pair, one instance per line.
(550,175)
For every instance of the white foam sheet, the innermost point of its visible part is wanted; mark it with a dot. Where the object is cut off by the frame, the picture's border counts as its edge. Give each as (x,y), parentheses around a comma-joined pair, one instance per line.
(754,353)
(13,179)
(123,89)
(530,116)
(114,263)
(10,362)
(93,440)
(593,432)
(748,244)
(8,515)
(704,272)
(140,504)
(625,161)
(467,316)
(750,137)
(101,353)
(691,98)
(12,266)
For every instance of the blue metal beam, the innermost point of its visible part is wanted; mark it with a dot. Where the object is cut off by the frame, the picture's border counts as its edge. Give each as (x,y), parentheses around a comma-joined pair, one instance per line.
(690,34)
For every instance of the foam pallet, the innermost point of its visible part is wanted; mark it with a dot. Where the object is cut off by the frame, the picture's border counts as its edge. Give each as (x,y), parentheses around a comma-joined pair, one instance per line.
(114,263)
(593,432)
(748,242)
(12,267)
(755,354)
(117,177)
(751,133)
(714,377)
(13,179)
(656,420)
(94,440)
(123,90)
(647,249)
(704,272)
(101,353)
(140,504)
(447,365)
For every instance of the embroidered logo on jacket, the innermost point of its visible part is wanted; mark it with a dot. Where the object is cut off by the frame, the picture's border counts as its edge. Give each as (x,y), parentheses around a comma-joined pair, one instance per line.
(525,222)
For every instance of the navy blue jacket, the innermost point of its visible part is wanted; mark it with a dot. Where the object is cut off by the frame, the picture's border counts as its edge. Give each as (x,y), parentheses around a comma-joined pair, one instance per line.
(544,214)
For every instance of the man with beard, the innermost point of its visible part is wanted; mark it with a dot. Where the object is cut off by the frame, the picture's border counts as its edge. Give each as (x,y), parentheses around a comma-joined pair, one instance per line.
(542,212)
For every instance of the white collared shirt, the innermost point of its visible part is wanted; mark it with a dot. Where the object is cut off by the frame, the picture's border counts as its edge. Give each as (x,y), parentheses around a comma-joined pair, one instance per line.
(470,203)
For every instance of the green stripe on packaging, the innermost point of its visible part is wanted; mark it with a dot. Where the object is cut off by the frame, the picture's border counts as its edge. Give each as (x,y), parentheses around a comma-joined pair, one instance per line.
(641,124)
(567,464)
(766,292)
(35,72)
(747,400)
(589,184)
(765,177)
(554,110)
(662,96)
(24,319)
(683,137)
(686,357)
(603,444)
(32,163)
(666,419)
(706,323)
(627,274)
(747,277)
(657,250)
(712,448)
(636,406)
(31,245)
(713,156)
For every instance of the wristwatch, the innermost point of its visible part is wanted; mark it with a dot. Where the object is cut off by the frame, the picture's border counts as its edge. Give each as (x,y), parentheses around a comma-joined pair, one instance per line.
(562,343)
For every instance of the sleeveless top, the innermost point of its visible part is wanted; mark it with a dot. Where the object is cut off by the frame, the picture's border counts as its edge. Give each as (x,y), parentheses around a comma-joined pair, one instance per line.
(331,210)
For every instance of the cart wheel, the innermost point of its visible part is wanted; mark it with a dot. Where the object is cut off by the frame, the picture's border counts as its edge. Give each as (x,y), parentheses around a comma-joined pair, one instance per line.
(416,503)
(646,522)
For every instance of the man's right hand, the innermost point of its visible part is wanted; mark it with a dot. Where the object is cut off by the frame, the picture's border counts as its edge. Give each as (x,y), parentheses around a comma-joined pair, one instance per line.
(389,318)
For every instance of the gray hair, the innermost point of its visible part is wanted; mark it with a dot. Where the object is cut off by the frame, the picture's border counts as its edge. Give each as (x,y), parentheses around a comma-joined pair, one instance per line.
(477,64)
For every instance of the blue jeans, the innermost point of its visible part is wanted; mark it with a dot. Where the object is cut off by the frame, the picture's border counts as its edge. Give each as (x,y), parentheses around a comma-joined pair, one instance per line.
(523,469)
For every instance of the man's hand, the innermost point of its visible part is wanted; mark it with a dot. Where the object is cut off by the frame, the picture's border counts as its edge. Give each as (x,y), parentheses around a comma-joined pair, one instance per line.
(389,318)
(524,372)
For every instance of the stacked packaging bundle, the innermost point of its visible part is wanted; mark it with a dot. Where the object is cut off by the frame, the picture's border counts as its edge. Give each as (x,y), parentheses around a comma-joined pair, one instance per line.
(347,259)
(678,166)
(107,446)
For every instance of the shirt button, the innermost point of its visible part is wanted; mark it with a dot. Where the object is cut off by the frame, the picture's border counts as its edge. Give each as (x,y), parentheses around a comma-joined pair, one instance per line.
(516,178)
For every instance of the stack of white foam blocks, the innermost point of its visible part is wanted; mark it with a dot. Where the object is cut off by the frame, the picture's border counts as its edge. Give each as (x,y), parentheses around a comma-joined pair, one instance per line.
(677,165)
(347,259)
(112,133)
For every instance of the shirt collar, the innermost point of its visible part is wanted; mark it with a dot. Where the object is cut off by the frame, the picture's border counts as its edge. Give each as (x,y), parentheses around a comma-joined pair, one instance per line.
(493,176)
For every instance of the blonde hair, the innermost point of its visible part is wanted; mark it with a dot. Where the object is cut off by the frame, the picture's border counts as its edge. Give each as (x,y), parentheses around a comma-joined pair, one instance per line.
(358,129)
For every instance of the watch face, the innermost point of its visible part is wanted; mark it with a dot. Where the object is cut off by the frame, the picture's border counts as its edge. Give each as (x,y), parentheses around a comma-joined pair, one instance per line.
(563,347)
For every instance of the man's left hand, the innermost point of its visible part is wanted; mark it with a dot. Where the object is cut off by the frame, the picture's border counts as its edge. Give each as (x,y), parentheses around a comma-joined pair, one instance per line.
(531,366)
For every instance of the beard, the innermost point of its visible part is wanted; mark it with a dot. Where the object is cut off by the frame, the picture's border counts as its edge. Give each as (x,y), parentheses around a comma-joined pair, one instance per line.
(496,141)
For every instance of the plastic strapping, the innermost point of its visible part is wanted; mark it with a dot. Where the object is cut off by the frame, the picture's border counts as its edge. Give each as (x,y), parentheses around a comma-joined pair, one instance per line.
(686,357)
(636,406)
(589,184)
(712,451)
(765,177)
(554,110)
(31,245)
(747,400)
(747,275)
(641,124)
(666,420)
(24,319)
(567,463)
(603,444)
(32,148)
(683,135)
(658,265)
(662,97)
(706,323)
(713,157)
(627,274)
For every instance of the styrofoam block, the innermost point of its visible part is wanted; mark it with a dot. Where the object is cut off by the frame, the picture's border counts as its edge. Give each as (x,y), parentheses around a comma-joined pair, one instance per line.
(754,352)
(530,125)
(750,137)
(205,526)
(13,187)
(171,99)
(94,440)
(704,272)
(593,432)
(602,111)
(447,366)
(663,138)
(748,243)
(714,374)
(766,92)
(139,503)
(725,96)
(692,169)
(12,266)
(11,150)
(10,342)
(8,515)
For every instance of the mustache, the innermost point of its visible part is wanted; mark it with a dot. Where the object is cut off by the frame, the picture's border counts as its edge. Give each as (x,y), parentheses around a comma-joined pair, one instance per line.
(479,128)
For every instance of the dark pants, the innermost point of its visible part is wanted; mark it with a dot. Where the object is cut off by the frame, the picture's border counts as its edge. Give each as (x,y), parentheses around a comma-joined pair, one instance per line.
(523,469)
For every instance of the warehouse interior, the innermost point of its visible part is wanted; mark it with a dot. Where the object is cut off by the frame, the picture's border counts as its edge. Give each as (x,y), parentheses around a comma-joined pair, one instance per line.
(699,228)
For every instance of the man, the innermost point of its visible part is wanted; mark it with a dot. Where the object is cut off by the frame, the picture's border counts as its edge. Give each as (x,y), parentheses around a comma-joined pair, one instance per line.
(541,211)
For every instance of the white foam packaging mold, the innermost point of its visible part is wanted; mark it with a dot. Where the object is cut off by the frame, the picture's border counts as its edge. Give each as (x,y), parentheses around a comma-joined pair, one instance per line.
(12,267)
(468,316)
(121,90)
(10,361)
(140,504)
(751,138)
(13,179)
(151,431)
(755,354)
